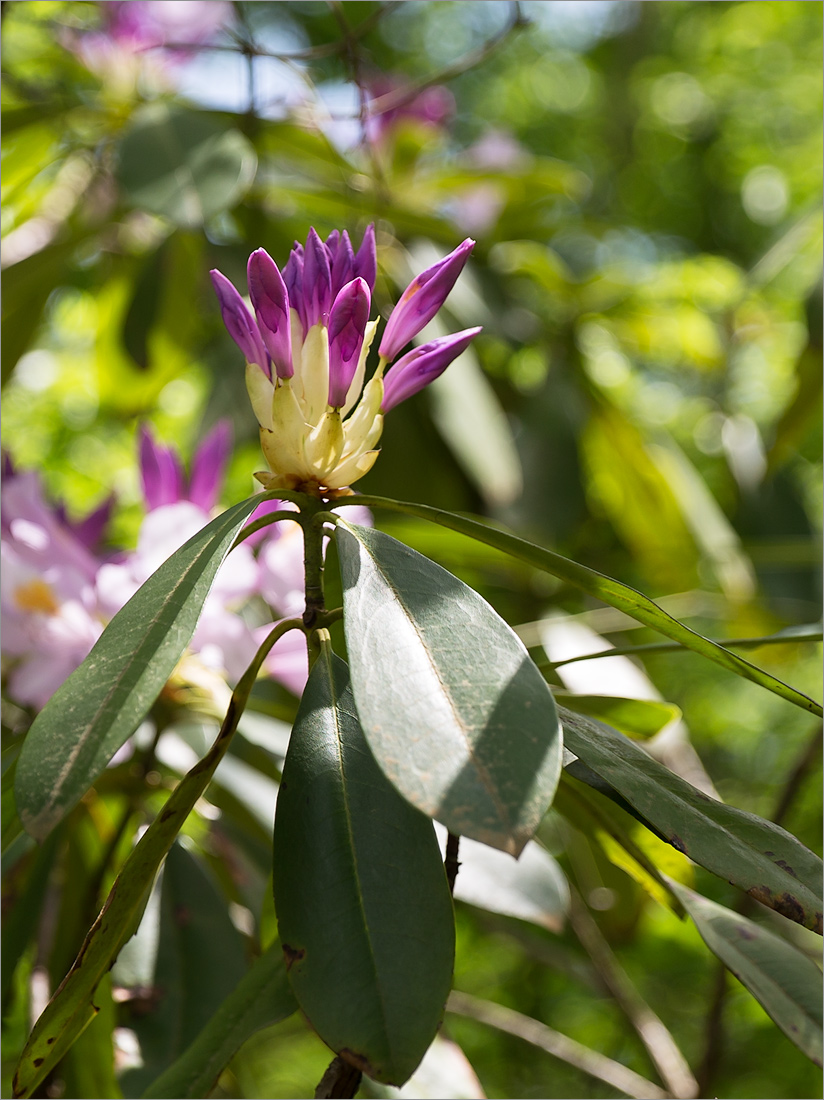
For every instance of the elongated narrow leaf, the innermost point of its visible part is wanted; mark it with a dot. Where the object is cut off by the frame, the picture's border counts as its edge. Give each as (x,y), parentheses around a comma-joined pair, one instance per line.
(101,704)
(753,854)
(454,710)
(612,592)
(784,981)
(363,906)
(70,1010)
(261,998)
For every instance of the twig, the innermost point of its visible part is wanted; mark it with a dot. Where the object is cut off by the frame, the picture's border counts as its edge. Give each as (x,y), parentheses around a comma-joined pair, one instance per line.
(399,97)
(340,1079)
(555,1043)
(661,1047)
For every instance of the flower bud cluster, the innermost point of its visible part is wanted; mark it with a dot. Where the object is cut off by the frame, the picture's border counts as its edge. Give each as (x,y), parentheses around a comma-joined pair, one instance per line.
(306,348)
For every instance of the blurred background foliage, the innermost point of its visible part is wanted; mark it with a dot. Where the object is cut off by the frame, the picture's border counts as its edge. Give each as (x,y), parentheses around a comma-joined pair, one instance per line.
(643,181)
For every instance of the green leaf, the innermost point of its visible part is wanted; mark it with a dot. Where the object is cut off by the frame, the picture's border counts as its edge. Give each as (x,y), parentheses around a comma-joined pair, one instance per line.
(751,853)
(456,713)
(640,718)
(101,704)
(260,999)
(200,960)
(363,906)
(184,165)
(784,981)
(612,592)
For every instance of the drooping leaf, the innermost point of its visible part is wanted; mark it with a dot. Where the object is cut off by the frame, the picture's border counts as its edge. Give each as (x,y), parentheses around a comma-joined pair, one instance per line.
(784,981)
(363,906)
(200,960)
(641,718)
(753,854)
(456,713)
(184,165)
(92,714)
(260,999)
(612,592)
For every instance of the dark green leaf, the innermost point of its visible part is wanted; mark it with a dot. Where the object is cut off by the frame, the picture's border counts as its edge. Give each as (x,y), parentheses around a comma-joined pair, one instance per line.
(261,998)
(612,592)
(454,710)
(101,704)
(784,981)
(184,165)
(753,854)
(363,906)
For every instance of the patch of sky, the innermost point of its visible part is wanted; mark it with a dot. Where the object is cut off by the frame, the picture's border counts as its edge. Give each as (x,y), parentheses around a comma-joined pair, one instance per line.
(578,25)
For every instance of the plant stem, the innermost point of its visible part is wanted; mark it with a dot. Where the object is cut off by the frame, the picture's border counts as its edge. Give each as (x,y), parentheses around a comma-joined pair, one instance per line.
(451,863)
(340,1079)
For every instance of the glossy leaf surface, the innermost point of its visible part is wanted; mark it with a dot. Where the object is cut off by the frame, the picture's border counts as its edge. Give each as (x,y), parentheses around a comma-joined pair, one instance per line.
(363,906)
(753,854)
(610,591)
(454,710)
(784,981)
(260,999)
(92,714)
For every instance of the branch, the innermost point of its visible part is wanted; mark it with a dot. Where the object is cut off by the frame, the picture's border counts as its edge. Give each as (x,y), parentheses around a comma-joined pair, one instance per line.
(559,1046)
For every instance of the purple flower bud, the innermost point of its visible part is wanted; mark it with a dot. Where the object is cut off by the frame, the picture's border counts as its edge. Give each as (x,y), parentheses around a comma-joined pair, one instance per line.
(366,260)
(160,472)
(239,322)
(422,299)
(343,263)
(331,245)
(293,281)
(422,365)
(317,281)
(347,323)
(271,301)
(209,466)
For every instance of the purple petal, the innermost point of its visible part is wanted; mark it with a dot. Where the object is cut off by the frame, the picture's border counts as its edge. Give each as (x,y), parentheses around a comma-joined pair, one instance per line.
(89,531)
(271,301)
(239,322)
(343,267)
(422,299)
(160,472)
(317,281)
(293,281)
(209,466)
(366,260)
(422,365)
(347,323)
(331,245)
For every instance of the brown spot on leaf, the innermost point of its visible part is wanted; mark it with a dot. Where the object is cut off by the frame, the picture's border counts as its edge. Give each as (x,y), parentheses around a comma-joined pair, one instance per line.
(183,916)
(677,843)
(783,863)
(293,955)
(51,1039)
(788,906)
(38,1062)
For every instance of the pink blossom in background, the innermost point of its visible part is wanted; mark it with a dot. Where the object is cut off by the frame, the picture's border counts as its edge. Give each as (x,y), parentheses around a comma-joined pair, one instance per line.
(138,37)
(432,107)
(51,612)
